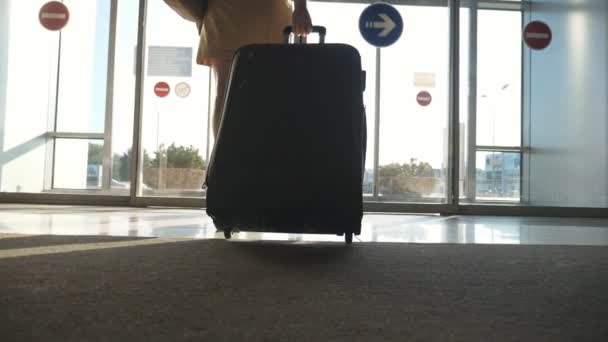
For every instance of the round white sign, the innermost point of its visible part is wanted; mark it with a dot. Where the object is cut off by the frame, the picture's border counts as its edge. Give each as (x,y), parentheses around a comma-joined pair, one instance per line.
(182,89)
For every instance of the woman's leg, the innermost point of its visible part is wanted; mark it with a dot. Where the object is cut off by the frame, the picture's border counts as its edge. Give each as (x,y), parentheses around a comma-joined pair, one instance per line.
(221,73)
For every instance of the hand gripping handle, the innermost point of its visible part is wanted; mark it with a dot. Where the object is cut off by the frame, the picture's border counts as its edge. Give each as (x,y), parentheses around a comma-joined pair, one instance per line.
(321,30)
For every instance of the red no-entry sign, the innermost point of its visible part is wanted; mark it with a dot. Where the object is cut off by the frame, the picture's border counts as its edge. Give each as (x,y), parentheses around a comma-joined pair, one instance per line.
(54,15)
(162,89)
(424,98)
(537,35)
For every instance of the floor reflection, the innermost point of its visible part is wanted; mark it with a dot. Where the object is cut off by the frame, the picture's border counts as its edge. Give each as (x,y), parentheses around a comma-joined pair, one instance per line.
(195,224)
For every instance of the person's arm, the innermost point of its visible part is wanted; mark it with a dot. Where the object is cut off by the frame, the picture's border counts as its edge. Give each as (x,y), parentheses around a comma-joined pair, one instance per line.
(301,22)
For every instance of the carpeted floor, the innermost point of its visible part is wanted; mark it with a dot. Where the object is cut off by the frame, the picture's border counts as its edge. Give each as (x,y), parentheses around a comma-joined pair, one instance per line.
(16,241)
(216,290)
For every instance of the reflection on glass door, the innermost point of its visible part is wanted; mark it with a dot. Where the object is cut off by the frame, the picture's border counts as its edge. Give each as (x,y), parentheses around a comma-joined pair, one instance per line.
(175,107)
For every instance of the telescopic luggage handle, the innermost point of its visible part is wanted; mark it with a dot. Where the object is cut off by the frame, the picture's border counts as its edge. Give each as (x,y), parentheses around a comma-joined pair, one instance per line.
(321,30)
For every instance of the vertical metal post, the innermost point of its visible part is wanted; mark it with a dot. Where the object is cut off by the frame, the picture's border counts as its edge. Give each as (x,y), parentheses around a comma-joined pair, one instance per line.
(377,126)
(471,180)
(106,182)
(454,117)
(136,154)
(526,112)
(50,125)
(52,150)
(4,56)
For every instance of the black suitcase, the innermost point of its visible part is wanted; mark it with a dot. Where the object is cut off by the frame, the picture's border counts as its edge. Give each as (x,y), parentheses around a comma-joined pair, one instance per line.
(290,151)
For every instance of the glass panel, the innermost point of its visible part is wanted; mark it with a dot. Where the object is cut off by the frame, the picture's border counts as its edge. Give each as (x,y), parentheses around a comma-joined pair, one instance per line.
(566,108)
(499,78)
(412,135)
(465,96)
(498,176)
(27,108)
(78,164)
(28,59)
(123,93)
(342,22)
(175,126)
(496,103)
(84,67)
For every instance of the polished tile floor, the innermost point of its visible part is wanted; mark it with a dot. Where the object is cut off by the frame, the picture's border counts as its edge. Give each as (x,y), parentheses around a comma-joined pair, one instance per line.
(195,224)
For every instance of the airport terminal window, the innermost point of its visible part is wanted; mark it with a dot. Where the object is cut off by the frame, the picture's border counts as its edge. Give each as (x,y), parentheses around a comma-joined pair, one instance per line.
(412,137)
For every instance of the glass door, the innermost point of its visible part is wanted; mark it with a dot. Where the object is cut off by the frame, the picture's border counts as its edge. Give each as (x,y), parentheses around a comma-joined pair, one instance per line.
(407,154)
(414,109)
(66,97)
(406,101)
(492,123)
(175,143)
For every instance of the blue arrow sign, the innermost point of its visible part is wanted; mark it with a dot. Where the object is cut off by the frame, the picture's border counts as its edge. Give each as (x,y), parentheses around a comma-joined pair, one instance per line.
(381,24)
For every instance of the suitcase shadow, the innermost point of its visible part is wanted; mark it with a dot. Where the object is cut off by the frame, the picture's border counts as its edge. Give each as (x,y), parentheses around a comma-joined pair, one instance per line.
(292,253)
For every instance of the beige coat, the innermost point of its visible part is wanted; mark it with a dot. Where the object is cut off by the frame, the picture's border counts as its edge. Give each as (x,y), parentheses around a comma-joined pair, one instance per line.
(230,24)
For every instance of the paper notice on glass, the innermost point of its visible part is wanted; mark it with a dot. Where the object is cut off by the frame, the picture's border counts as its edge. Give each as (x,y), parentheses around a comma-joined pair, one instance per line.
(424,80)
(169,61)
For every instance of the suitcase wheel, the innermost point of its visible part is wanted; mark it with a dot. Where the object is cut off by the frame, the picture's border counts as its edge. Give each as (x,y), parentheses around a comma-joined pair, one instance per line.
(227,233)
(348,237)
